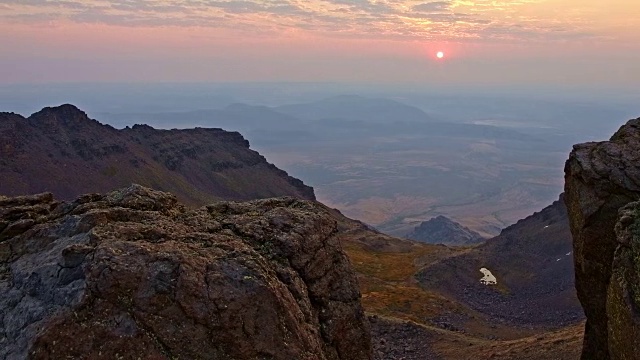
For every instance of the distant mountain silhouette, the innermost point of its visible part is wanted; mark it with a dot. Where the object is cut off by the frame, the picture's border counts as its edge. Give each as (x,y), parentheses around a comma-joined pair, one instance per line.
(354,107)
(61,150)
(442,230)
(240,117)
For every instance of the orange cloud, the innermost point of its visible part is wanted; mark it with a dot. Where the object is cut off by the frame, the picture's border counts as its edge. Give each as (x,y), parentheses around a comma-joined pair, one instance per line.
(453,20)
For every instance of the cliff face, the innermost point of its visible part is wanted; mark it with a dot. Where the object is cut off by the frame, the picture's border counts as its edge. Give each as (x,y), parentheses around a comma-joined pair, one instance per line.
(442,230)
(61,150)
(623,296)
(134,274)
(601,178)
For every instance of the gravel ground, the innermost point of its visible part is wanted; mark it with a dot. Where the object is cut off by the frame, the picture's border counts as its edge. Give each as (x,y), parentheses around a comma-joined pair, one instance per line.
(398,340)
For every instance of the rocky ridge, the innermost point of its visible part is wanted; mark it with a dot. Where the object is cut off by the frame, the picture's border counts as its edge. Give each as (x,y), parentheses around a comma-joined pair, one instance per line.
(61,150)
(600,179)
(134,274)
(442,230)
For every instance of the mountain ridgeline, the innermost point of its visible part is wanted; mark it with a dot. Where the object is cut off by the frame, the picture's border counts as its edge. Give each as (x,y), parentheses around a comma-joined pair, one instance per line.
(61,150)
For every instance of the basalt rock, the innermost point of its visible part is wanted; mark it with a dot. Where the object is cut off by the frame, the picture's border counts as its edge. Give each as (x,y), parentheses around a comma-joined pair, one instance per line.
(600,178)
(134,274)
(623,296)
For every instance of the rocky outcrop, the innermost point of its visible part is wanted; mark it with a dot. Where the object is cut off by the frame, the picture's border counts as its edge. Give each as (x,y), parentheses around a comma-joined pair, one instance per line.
(134,274)
(442,230)
(623,296)
(57,149)
(600,178)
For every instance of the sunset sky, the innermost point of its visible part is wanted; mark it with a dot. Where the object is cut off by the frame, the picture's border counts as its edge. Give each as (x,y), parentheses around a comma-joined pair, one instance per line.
(500,42)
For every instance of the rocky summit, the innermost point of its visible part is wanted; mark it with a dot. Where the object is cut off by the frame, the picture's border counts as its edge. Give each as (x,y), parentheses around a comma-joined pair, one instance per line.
(600,179)
(134,274)
(442,230)
(61,150)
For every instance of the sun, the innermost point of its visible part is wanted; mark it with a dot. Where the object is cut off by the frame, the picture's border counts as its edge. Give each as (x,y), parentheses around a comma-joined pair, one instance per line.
(440,55)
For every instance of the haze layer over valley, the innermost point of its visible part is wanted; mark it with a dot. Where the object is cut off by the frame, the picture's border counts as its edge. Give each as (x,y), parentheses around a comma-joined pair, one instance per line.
(389,157)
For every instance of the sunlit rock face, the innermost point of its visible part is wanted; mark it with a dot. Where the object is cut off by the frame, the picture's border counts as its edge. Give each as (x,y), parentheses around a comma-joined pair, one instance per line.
(488,278)
(134,274)
(600,179)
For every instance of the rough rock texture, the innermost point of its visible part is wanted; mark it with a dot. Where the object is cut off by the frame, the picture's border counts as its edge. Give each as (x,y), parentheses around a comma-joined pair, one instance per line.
(133,274)
(442,230)
(600,178)
(623,296)
(57,149)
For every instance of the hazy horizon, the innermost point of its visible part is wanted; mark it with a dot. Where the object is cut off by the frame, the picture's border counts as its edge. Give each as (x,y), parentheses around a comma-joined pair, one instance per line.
(26,98)
(567,43)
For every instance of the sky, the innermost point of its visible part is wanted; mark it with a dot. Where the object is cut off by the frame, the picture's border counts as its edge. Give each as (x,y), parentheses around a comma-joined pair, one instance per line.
(577,43)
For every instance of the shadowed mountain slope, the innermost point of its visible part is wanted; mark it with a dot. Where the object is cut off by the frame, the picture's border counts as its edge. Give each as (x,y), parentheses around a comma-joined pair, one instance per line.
(62,151)
(533,266)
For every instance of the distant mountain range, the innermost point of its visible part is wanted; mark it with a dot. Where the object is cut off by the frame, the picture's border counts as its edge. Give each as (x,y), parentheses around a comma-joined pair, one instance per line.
(442,230)
(355,107)
(367,156)
(61,150)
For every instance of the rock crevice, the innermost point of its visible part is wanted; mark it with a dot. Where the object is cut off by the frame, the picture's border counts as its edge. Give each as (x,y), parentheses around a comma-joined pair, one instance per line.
(600,179)
(133,273)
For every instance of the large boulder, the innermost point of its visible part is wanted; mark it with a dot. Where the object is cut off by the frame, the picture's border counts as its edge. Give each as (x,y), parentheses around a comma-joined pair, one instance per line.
(134,274)
(600,178)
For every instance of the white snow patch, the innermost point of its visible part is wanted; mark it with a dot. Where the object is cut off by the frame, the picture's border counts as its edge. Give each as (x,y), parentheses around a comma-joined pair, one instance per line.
(546,226)
(488,278)
(557,260)
(569,253)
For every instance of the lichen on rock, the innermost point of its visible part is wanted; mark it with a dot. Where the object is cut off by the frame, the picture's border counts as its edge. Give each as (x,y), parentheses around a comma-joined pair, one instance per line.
(133,273)
(623,296)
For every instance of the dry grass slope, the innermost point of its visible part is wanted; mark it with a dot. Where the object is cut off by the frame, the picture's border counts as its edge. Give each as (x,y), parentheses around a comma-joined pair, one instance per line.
(386,268)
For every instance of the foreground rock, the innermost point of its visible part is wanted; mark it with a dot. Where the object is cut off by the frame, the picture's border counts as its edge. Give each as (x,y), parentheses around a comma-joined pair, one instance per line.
(133,274)
(623,296)
(601,178)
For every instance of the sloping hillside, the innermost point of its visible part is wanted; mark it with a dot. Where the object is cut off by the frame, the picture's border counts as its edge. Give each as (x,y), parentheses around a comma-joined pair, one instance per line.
(62,151)
(532,263)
